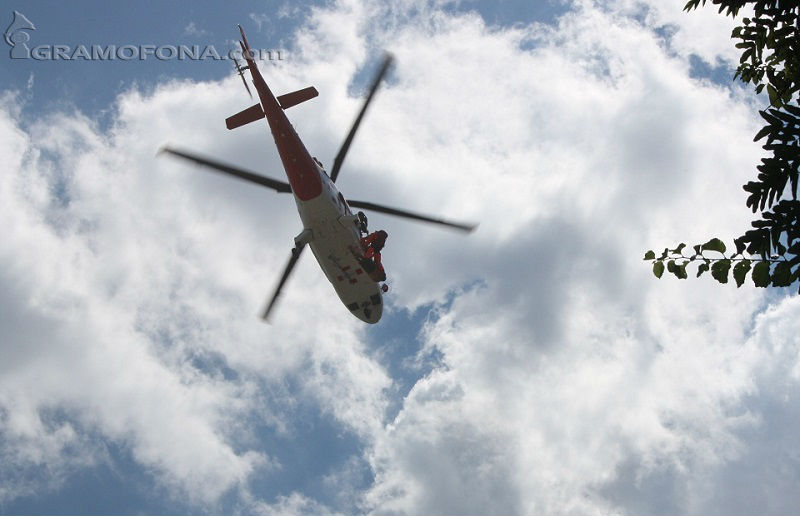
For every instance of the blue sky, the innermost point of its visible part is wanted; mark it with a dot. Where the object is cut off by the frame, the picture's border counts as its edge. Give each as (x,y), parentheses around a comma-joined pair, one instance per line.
(81,84)
(535,366)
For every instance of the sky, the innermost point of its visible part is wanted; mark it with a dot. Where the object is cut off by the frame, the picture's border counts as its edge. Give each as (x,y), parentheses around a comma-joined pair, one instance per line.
(535,366)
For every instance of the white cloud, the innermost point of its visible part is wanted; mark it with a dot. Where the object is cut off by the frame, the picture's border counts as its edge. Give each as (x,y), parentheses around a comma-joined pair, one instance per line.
(132,285)
(193,30)
(77,319)
(571,380)
(702,31)
(260,19)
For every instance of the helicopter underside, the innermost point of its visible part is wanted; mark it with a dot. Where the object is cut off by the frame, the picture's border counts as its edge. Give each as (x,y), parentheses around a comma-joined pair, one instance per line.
(335,241)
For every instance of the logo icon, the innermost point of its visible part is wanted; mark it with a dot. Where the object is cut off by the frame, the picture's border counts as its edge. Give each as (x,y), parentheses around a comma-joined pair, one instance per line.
(17,37)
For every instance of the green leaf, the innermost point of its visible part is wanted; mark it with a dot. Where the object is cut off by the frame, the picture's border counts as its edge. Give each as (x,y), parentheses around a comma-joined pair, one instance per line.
(761,274)
(715,244)
(680,271)
(792,109)
(658,269)
(697,249)
(785,117)
(649,255)
(740,245)
(679,249)
(720,270)
(740,271)
(671,266)
(763,132)
(781,276)
(702,268)
(774,98)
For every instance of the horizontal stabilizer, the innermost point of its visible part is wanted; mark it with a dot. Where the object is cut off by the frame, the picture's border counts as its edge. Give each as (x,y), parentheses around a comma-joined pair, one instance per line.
(241,118)
(296,97)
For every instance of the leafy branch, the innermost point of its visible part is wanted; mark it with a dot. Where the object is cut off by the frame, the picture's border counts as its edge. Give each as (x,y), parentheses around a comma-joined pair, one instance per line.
(770,59)
(776,271)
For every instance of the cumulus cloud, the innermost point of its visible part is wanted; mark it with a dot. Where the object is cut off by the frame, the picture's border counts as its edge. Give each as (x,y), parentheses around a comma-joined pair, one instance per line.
(704,33)
(193,30)
(80,316)
(572,381)
(110,319)
(567,379)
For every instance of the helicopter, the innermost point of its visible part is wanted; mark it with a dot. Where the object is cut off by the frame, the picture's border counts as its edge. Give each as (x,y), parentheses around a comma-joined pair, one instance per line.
(330,228)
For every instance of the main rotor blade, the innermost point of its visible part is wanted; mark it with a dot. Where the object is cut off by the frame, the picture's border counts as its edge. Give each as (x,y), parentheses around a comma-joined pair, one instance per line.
(409,215)
(337,162)
(241,173)
(286,272)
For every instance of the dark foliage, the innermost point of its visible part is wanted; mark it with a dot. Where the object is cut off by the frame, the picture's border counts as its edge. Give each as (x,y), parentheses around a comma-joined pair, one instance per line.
(770,44)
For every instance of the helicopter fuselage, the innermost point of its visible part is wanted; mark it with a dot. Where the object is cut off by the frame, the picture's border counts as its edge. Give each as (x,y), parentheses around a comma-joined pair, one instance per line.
(329,226)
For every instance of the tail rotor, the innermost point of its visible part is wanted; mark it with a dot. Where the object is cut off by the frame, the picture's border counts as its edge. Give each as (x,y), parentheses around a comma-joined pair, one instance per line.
(241,69)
